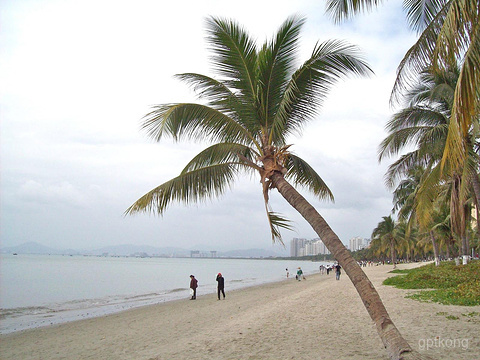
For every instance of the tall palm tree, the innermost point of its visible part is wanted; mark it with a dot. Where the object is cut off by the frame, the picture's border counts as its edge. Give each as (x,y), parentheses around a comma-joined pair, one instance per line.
(449,33)
(259,100)
(425,124)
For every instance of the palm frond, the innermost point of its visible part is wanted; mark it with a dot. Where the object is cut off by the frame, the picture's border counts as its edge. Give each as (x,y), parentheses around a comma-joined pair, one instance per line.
(222,153)
(428,191)
(276,61)
(460,39)
(421,128)
(276,222)
(401,167)
(219,96)
(420,13)
(330,61)
(301,173)
(454,153)
(341,10)
(193,121)
(458,30)
(189,187)
(235,56)
(466,106)
(418,57)
(469,170)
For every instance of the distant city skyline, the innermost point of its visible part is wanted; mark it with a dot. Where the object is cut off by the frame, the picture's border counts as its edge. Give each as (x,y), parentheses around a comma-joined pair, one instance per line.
(298,247)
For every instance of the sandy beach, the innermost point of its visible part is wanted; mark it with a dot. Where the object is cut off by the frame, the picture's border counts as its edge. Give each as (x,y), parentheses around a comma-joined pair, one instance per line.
(318,318)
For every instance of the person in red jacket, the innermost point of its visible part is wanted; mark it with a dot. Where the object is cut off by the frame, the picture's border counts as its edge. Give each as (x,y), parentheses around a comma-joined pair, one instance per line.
(193,286)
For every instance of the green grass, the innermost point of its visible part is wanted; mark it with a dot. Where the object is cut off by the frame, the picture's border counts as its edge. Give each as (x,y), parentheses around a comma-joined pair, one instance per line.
(447,284)
(398,271)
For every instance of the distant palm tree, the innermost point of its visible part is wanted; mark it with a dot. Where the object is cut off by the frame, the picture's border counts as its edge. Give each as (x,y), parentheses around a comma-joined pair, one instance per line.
(406,239)
(441,225)
(385,234)
(258,101)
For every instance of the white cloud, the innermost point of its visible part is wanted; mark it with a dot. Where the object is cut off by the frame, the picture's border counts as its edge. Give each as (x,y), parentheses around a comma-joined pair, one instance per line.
(78,77)
(63,193)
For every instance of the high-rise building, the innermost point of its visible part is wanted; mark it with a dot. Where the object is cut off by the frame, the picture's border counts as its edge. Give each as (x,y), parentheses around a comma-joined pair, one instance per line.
(295,245)
(320,247)
(358,243)
(303,247)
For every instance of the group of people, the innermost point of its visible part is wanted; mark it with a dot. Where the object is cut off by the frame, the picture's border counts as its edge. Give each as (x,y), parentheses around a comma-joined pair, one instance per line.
(366,263)
(328,268)
(299,276)
(323,269)
(220,286)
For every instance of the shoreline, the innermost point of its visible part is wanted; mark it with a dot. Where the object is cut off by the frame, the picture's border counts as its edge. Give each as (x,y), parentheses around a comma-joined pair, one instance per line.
(22,310)
(319,318)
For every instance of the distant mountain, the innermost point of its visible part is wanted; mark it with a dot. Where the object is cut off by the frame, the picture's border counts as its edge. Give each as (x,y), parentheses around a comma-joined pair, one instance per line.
(256,252)
(137,250)
(128,249)
(34,248)
(248,253)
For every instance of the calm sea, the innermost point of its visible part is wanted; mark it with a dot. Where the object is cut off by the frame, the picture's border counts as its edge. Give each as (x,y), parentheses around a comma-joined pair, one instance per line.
(41,290)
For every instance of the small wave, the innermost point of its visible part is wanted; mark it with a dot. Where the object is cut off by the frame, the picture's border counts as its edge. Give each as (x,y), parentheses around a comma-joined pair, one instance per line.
(177,290)
(141,296)
(21,311)
(242,280)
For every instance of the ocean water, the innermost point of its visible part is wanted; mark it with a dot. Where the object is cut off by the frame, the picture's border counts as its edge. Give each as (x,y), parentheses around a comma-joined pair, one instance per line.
(42,290)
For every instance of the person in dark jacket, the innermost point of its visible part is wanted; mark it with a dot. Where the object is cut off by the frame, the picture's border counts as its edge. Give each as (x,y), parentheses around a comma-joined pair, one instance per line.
(337,271)
(193,286)
(220,286)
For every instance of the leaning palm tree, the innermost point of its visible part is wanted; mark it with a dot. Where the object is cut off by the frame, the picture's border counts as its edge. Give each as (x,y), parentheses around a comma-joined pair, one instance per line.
(257,101)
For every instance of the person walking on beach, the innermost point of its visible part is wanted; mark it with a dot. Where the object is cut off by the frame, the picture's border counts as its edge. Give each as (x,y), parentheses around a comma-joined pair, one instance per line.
(322,269)
(220,286)
(288,274)
(300,274)
(193,286)
(337,271)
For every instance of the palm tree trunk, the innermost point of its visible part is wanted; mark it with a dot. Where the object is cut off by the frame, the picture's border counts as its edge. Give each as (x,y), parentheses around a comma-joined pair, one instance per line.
(465,240)
(476,188)
(435,249)
(396,346)
(392,253)
(464,250)
(477,212)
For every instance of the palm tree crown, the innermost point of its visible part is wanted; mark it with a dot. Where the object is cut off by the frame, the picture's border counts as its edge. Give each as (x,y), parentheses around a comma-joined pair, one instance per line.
(247,113)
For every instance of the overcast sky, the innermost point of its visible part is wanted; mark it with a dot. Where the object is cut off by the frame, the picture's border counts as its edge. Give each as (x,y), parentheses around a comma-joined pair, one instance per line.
(77,77)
